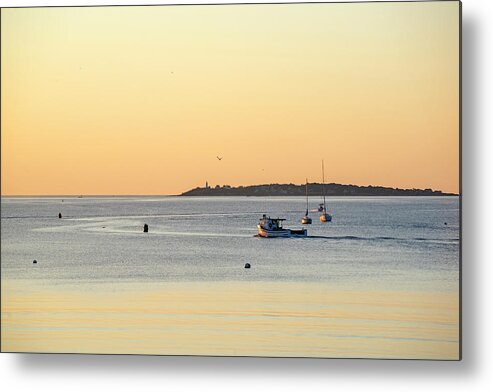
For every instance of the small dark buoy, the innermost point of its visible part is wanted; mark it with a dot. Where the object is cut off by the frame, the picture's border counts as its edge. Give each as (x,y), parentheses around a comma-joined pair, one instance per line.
(59,215)
(247,265)
(146,228)
(35,262)
(445,223)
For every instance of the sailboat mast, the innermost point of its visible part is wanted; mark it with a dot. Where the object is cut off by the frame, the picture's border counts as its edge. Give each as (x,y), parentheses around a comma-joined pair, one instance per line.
(306,192)
(323,182)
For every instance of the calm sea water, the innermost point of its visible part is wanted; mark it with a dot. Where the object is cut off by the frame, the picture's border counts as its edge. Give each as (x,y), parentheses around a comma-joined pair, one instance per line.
(384,242)
(196,248)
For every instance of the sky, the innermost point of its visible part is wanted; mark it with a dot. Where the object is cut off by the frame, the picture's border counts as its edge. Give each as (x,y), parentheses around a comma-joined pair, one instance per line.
(141,100)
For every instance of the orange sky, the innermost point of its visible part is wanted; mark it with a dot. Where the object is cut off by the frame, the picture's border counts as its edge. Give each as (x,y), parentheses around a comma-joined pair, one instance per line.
(140,100)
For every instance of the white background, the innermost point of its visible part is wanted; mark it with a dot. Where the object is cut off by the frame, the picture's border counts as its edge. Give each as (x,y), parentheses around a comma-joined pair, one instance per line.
(130,373)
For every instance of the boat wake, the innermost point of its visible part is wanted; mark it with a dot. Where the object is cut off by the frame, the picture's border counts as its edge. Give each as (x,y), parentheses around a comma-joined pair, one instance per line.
(382,238)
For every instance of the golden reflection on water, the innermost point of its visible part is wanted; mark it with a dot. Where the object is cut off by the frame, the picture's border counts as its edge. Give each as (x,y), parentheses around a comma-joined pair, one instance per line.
(236,318)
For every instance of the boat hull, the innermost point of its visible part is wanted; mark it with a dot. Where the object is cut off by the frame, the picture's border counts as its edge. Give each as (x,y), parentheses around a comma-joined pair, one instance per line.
(284,233)
(306,221)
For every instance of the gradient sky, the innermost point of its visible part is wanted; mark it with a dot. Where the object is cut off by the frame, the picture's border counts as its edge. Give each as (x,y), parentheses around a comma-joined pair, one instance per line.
(140,100)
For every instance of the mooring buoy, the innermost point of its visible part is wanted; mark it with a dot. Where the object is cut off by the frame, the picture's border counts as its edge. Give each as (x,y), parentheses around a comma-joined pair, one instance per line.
(247,265)
(35,262)
(59,215)
(146,228)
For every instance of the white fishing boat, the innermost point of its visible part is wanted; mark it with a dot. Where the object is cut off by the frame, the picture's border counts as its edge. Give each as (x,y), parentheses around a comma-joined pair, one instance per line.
(272,228)
(306,220)
(324,217)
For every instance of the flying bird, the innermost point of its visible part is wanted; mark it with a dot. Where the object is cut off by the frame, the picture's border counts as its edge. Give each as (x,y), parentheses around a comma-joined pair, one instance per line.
(219,158)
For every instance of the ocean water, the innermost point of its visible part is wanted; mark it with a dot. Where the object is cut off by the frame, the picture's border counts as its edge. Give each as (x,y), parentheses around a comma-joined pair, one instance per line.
(380,281)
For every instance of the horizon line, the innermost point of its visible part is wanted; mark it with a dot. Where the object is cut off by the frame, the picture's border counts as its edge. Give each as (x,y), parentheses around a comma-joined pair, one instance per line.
(445,194)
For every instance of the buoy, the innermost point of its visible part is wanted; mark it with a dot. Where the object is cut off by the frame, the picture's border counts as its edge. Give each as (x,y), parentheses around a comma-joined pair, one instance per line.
(146,228)
(59,215)
(247,265)
(35,262)
(445,223)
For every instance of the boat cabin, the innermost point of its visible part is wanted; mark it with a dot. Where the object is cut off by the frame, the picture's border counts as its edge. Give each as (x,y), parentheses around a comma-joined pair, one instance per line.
(271,223)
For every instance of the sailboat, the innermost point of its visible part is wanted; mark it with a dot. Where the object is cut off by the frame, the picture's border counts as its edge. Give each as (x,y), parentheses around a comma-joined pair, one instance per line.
(324,217)
(306,220)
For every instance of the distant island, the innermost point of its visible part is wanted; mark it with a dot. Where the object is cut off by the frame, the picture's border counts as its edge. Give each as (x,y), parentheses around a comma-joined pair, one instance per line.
(314,189)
